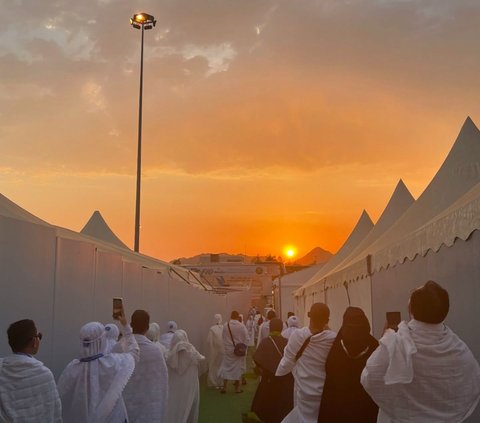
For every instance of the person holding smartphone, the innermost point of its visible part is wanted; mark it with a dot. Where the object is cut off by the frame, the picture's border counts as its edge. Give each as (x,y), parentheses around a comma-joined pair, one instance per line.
(423,372)
(91,386)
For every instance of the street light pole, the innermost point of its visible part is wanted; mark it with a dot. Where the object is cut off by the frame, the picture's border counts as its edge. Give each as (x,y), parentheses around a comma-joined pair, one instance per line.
(141,21)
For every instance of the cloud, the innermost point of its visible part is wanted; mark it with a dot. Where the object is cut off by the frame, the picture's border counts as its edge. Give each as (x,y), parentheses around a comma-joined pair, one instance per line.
(235,88)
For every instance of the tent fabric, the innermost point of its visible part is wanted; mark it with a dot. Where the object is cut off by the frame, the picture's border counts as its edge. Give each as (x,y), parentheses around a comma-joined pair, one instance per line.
(457,221)
(98,228)
(459,173)
(446,210)
(9,209)
(359,232)
(62,279)
(399,202)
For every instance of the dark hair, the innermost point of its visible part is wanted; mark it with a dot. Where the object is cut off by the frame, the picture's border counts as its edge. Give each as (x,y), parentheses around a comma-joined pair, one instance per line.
(271,314)
(20,334)
(140,321)
(290,313)
(234,315)
(429,303)
(319,313)
(276,325)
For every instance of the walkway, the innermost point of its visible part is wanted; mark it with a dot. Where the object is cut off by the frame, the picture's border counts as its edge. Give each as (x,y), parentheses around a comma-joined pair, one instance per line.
(227,408)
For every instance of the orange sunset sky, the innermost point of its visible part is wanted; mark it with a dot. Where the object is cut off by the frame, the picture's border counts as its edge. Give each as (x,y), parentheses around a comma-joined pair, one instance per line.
(266,123)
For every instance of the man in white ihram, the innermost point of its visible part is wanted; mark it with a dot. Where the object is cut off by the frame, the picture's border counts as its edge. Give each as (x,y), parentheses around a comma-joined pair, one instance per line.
(305,356)
(91,387)
(146,392)
(27,388)
(264,329)
(233,366)
(424,372)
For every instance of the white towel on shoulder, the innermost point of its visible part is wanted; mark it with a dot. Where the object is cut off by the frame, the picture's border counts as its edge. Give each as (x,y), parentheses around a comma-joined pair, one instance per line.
(400,347)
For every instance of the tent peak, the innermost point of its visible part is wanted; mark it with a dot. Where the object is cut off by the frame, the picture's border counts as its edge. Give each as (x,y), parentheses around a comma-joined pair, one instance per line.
(98,228)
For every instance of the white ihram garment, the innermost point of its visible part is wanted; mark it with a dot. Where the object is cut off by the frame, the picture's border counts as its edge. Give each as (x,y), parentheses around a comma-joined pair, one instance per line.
(91,390)
(111,335)
(308,372)
(215,353)
(184,390)
(153,334)
(27,391)
(233,366)
(250,325)
(263,331)
(292,327)
(422,373)
(146,393)
(166,338)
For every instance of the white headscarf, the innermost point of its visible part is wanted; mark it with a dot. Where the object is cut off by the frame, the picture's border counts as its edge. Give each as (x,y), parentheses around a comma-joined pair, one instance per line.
(292,321)
(153,332)
(182,353)
(111,334)
(90,387)
(218,319)
(172,326)
(92,336)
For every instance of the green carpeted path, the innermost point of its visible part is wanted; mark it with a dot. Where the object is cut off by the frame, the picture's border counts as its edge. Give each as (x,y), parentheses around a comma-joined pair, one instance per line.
(227,408)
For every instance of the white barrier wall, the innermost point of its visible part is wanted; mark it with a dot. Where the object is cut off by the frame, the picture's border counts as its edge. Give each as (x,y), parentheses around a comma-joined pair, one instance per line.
(63,283)
(27,267)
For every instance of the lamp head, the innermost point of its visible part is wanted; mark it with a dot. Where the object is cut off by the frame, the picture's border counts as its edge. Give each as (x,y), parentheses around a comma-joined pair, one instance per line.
(143,19)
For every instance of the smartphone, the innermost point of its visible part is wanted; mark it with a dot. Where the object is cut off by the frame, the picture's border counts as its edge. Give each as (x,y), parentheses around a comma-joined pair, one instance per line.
(117,307)
(393,319)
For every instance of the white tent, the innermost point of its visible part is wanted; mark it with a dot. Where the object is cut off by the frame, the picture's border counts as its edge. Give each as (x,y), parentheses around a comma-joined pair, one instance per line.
(305,296)
(98,228)
(348,283)
(63,279)
(285,285)
(436,238)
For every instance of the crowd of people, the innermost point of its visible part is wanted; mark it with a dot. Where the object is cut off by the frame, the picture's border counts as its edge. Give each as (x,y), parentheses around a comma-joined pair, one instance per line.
(418,372)
(129,375)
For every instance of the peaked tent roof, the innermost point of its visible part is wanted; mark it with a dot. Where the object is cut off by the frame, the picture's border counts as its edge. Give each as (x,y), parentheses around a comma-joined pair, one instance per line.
(9,209)
(97,227)
(456,222)
(459,173)
(399,202)
(359,232)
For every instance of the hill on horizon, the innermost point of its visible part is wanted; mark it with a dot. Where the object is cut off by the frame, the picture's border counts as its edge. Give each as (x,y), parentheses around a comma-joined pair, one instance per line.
(316,256)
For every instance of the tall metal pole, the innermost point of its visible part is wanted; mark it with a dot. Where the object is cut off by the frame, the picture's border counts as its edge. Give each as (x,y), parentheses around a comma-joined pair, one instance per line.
(139,154)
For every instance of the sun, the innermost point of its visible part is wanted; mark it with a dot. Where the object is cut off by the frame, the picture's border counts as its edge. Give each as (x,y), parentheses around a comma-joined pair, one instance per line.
(290,251)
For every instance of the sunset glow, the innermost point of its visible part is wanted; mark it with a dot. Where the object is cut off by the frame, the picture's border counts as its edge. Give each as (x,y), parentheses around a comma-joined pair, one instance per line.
(262,121)
(290,252)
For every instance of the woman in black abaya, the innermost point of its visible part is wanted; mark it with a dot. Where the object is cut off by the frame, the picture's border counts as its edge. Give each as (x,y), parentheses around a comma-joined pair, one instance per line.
(274,396)
(344,400)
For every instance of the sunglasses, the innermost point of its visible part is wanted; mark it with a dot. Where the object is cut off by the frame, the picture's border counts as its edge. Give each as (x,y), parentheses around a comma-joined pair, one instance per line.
(39,336)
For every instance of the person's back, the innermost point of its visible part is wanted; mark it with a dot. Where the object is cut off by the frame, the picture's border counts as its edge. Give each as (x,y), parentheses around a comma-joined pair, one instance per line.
(27,388)
(146,392)
(166,338)
(423,372)
(184,389)
(343,399)
(91,387)
(308,367)
(215,352)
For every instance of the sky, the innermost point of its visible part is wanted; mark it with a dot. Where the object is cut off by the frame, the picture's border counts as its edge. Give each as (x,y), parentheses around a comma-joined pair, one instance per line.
(266,123)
